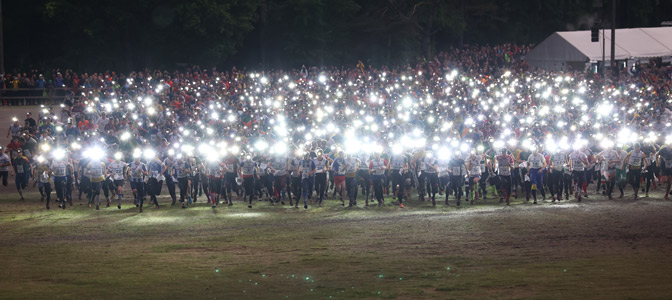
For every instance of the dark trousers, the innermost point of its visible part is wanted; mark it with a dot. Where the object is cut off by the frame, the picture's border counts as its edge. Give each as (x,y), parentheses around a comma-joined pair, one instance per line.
(139,188)
(634,178)
(183,184)
(320,185)
(351,187)
(59,185)
(152,189)
(248,186)
(397,184)
(432,184)
(378,187)
(555,183)
(95,191)
(170,184)
(307,185)
(4,175)
(505,190)
(456,182)
(45,188)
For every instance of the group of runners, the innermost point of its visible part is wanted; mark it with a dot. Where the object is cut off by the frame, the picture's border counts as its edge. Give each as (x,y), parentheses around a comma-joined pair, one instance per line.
(311,175)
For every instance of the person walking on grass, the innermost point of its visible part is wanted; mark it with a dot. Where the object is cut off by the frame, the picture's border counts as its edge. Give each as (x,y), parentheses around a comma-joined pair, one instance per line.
(138,171)
(5,165)
(308,170)
(664,157)
(118,172)
(537,165)
(42,176)
(60,167)
(634,161)
(21,169)
(96,171)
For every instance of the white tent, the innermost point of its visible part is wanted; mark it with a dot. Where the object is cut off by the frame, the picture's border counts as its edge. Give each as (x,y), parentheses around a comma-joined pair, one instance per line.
(574,48)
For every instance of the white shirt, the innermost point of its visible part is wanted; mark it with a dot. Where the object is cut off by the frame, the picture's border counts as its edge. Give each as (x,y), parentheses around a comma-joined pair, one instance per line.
(117,170)
(536,160)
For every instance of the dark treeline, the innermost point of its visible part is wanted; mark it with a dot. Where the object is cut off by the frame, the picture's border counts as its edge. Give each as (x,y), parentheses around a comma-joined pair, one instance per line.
(131,34)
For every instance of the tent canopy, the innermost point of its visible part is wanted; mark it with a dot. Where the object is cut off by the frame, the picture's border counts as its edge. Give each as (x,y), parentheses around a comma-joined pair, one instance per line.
(565,47)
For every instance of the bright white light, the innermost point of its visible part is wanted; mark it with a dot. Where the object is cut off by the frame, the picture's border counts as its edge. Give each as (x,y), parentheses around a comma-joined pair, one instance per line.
(407,102)
(149,153)
(280,148)
(58,154)
(498,144)
(94,153)
(444,153)
(261,145)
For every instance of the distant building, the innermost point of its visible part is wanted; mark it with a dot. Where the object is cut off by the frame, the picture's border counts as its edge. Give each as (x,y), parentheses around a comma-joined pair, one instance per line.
(574,50)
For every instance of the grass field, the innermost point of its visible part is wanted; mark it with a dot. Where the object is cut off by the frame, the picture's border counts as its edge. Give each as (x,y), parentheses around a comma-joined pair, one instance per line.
(601,249)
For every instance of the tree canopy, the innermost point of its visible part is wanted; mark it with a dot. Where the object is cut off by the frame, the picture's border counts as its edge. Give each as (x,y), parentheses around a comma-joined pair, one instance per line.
(125,34)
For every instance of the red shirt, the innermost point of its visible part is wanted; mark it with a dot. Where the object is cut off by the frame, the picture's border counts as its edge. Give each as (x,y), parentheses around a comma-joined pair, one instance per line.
(14,146)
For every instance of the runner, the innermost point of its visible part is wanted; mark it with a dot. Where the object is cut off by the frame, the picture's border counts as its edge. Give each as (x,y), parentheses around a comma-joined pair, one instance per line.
(247,170)
(504,165)
(22,167)
(652,169)
(96,171)
(537,165)
(279,169)
(155,168)
(635,160)
(295,164)
(432,178)
(364,176)
(308,170)
(611,161)
(457,172)
(557,166)
(5,164)
(231,171)
(84,181)
(138,171)
(339,177)
(59,168)
(197,174)
(168,174)
(321,168)
(444,177)
(474,173)
(117,169)
(377,167)
(42,175)
(215,173)
(351,166)
(398,167)
(577,163)
(182,172)
(664,158)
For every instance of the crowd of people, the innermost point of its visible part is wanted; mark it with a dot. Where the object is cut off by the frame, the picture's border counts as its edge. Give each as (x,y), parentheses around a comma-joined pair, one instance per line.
(469,125)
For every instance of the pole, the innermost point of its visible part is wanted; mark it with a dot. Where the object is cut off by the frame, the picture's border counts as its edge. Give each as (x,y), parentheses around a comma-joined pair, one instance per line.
(2,46)
(613,31)
(604,38)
